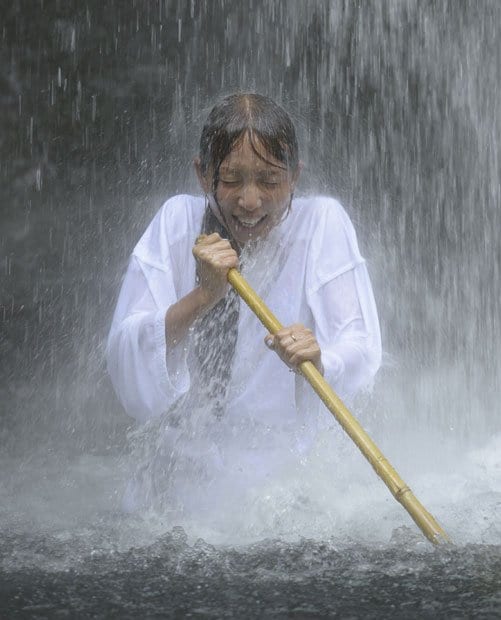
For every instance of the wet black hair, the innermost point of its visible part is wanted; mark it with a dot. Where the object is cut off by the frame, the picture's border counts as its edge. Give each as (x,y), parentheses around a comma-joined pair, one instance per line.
(260,118)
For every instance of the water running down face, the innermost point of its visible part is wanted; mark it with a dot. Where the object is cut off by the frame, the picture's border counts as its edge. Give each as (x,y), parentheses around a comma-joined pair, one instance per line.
(253,190)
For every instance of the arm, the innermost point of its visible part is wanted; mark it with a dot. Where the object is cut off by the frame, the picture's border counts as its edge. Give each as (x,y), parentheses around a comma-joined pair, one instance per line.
(294,345)
(346,346)
(146,351)
(344,342)
(347,329)
(136,350)
(339,295)
(214,257)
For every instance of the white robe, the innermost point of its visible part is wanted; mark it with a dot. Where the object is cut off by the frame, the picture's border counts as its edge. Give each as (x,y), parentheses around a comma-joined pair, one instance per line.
(308,270)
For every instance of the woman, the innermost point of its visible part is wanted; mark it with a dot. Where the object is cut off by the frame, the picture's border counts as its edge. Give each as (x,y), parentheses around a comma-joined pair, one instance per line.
(184,351)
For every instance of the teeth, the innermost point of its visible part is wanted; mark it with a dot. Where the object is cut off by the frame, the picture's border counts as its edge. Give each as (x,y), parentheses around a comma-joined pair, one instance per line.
(249,223)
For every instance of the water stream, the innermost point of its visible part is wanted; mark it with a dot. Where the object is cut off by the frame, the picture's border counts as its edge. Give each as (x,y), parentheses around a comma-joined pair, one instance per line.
(397,108)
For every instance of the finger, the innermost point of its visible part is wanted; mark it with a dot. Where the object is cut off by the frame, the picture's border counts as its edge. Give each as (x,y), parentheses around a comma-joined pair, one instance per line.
(227,262)
(285,338)
(207,252)
(309,354)
(293,352)
(296,347)
(293,342)
(204,239)
(300,356)
(294,332)
(284,332)
(223,253)
(223,245)
(205,249)
(219,252)
(220,259)
(269,341)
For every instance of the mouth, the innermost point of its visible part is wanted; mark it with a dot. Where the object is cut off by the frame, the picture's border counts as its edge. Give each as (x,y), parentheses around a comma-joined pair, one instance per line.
(249,223)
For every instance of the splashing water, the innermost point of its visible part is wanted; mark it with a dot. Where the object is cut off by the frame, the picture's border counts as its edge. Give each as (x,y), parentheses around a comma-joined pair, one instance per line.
(396,105)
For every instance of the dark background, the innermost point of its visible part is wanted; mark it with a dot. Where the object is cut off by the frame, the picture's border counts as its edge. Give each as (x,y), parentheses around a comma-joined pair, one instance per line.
(397,107)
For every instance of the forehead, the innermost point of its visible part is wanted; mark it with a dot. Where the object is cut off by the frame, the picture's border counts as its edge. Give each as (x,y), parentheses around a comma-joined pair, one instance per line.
(251,155)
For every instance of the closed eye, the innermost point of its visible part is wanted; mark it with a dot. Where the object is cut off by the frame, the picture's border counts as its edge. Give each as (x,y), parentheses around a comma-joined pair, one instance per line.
(269,181)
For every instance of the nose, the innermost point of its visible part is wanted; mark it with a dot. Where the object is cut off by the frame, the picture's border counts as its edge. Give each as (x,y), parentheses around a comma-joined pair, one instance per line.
(250,199)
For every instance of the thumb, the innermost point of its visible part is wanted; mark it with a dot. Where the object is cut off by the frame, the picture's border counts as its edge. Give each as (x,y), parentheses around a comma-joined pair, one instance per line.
(269,341)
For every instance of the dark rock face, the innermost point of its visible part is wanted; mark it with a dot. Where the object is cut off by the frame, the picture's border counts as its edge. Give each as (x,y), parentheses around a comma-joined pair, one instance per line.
(102,103)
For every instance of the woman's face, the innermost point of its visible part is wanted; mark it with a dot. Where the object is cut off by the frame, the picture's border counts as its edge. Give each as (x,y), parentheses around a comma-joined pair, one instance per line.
(253,190)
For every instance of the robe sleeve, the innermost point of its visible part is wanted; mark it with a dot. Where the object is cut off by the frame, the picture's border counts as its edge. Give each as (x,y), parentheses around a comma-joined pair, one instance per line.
(340,297)
(147,377)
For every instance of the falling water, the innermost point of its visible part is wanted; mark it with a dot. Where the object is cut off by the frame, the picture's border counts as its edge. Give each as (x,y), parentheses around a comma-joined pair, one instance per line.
(397,107)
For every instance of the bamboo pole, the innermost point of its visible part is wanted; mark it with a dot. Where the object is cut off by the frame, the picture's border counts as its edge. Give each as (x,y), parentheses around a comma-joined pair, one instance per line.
(400,491)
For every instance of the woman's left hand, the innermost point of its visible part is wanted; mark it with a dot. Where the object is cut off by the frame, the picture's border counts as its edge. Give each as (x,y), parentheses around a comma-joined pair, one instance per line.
(294,345)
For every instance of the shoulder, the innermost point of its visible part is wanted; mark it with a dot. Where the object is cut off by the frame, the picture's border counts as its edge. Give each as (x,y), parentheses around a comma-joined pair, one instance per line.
(320,213)
(329,238)
(179,215)
(177,221)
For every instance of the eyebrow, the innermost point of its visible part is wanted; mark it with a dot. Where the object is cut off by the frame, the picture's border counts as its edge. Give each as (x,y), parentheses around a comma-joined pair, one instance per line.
(266,172)
(271,172)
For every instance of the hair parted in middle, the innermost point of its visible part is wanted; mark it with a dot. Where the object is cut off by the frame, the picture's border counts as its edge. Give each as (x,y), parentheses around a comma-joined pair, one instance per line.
(257,116)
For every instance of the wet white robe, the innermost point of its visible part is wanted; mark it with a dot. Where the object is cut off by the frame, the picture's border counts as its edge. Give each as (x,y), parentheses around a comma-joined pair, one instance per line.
(308,270)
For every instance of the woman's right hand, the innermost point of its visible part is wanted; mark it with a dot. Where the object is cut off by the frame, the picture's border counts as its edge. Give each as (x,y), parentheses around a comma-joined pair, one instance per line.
(215,257)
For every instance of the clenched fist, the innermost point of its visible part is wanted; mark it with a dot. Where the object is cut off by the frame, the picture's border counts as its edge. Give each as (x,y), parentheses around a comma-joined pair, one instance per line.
(296,344)
(215,257)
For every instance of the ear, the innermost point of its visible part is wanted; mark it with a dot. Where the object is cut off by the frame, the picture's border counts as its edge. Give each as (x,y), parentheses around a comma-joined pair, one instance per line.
(295,175)
(202,179)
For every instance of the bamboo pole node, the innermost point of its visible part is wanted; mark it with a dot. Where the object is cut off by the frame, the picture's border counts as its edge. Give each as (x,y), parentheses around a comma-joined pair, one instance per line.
(398,488)
(401,492)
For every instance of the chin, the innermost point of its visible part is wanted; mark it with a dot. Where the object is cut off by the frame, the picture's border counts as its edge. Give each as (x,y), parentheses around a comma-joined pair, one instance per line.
(244,236)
